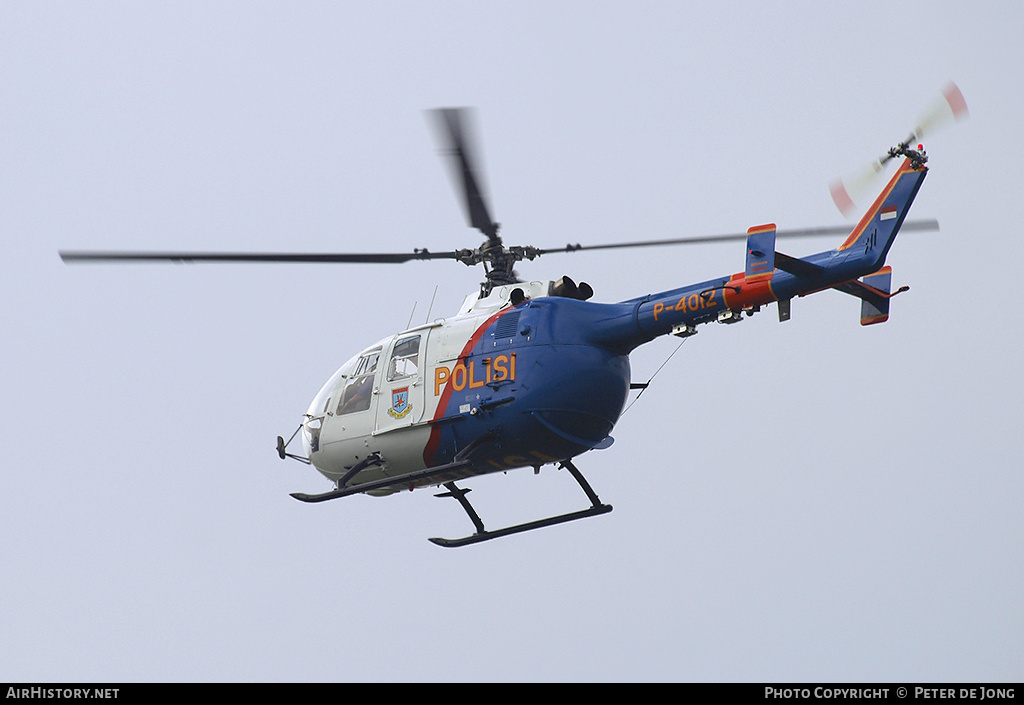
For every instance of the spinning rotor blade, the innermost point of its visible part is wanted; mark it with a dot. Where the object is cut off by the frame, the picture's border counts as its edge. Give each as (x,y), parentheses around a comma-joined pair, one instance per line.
(835,230)
(453,126)
(466,256)
(950,107)
(70,256)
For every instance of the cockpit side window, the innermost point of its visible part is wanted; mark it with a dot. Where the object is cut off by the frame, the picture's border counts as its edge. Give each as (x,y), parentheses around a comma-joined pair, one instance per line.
(358,388)
(404,358)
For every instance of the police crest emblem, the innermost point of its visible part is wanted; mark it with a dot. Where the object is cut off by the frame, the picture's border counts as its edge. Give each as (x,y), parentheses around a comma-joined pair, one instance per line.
(399,403)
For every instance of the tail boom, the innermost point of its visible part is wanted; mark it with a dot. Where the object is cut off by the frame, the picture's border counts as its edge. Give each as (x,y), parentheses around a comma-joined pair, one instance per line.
(862,254)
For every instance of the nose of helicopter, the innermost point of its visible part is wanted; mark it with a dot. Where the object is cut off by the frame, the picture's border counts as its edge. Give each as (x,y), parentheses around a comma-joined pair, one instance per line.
(311,435)
(310,428)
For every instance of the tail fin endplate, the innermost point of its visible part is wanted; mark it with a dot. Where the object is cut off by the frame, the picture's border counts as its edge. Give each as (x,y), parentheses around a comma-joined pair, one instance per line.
(875,309)
(873,291)
(760,252)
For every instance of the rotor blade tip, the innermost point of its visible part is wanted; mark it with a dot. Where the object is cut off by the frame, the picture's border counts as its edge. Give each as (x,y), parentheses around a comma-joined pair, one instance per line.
(956,100)
(841,197)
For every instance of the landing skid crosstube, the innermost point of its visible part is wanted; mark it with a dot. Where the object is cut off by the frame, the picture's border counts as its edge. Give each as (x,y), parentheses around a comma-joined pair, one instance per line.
(482,534)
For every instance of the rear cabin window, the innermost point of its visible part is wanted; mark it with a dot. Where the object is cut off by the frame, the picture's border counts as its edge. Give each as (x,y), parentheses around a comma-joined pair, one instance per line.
(404,358)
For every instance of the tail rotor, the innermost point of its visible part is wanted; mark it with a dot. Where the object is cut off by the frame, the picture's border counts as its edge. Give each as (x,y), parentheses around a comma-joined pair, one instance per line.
(949,108)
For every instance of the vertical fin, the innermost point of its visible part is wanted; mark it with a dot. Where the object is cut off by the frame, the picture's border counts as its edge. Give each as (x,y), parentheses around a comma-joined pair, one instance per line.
(876,230)
(760,252)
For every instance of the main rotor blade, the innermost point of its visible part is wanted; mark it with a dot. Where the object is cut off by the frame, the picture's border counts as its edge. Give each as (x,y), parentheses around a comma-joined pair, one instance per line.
(835,230)
(71,256)
(453,131)
(75,256)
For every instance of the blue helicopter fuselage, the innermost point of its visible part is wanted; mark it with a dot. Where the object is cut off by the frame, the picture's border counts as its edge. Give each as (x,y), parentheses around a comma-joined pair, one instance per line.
(524,378)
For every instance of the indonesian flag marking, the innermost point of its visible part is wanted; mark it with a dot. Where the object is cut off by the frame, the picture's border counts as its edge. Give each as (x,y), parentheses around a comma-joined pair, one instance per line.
(887,213)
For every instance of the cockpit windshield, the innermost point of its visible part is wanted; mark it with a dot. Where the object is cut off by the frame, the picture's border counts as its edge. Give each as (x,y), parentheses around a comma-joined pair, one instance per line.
(345,386)
(357,388)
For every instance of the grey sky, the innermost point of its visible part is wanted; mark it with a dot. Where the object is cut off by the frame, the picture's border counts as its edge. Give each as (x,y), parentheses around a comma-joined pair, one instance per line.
(807,501)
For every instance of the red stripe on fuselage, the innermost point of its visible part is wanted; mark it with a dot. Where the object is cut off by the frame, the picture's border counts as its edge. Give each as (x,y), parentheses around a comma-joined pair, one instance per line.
(435,433)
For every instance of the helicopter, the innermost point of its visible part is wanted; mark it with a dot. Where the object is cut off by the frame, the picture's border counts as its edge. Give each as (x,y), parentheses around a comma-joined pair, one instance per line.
(535,373)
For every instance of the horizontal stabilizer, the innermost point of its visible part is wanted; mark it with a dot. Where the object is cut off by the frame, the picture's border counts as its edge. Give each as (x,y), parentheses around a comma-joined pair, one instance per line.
(797,267)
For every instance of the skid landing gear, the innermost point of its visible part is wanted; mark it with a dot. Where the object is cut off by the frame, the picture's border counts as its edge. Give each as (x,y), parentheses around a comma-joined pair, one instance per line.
(482,534)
